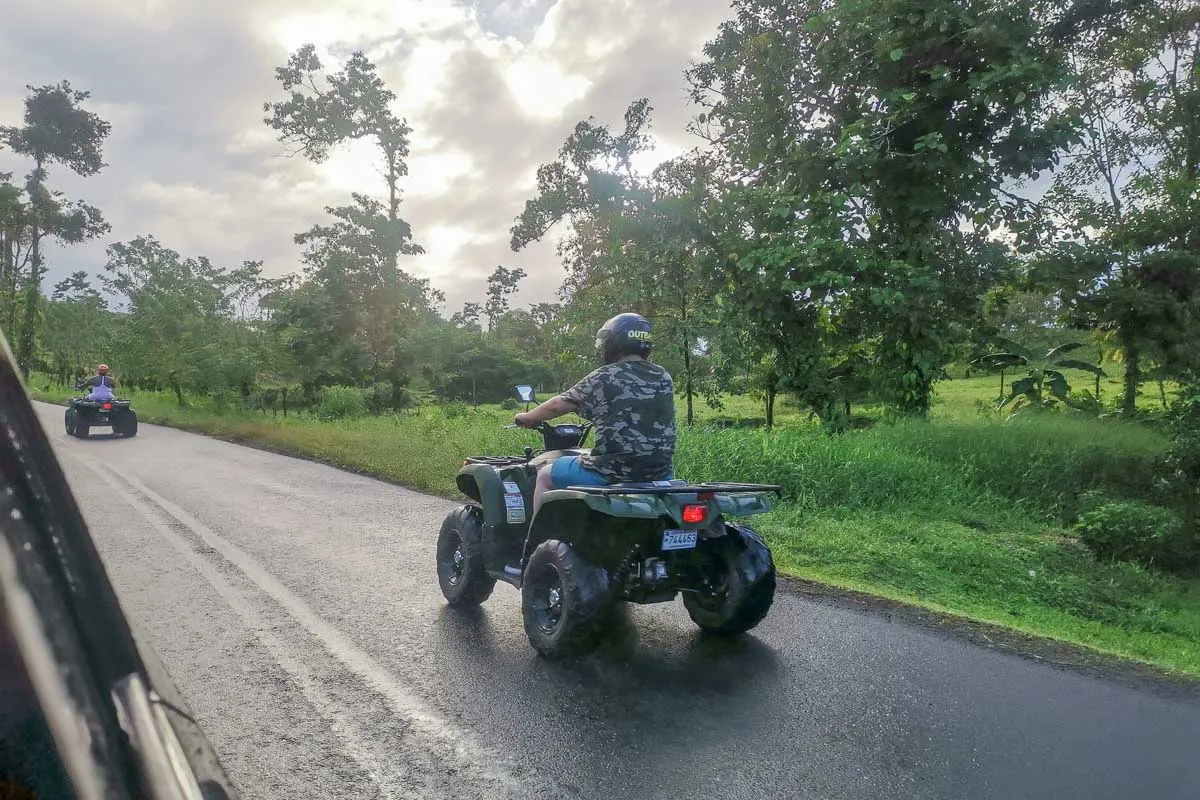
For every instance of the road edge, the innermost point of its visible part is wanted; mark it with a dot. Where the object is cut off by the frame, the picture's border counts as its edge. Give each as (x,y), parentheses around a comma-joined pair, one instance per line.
(1046,650)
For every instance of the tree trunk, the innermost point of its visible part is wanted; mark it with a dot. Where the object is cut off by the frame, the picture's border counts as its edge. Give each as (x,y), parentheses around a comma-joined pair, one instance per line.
(687,377)
(1162,394)
(770,400)
(28,341)
(1133,377)
(8,276)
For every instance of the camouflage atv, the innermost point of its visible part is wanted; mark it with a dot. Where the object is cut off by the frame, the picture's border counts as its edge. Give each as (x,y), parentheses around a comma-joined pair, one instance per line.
(590,548)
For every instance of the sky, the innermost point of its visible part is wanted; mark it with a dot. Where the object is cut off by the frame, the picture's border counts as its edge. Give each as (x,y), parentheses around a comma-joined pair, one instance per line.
(491,88)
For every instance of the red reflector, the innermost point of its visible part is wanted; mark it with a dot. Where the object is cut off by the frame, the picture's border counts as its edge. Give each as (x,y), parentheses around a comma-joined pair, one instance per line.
(694,513)
(106,406)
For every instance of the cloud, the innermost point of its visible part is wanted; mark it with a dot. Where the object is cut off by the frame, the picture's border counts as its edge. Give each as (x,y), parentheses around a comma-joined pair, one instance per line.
(491,88)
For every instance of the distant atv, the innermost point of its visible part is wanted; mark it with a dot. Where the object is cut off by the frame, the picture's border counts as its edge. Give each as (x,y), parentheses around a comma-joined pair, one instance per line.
(592,547)
(82,415)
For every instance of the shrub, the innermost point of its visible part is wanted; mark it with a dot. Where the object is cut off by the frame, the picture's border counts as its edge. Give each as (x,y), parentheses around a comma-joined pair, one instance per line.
(1134,531)
(454,410)
(508,404)
(341,402)
(222,401)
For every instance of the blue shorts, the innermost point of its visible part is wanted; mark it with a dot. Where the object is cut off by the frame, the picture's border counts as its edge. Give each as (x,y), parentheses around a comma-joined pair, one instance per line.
(570,471)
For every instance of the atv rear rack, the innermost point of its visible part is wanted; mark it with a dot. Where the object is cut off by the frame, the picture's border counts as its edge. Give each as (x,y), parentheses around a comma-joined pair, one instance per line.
(677,488)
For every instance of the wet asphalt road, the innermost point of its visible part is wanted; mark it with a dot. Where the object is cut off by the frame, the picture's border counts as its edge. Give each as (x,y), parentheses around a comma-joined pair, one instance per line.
(297,608)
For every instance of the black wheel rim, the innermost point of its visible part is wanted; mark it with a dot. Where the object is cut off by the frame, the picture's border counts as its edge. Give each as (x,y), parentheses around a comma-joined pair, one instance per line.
(547,600)
(716,583)
(452,559)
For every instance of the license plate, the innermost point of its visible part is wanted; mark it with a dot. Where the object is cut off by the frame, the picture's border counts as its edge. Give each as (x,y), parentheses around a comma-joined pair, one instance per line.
(103,418)
(679,540)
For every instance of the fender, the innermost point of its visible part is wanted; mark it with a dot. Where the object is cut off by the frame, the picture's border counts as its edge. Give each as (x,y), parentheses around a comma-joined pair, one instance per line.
(564,515)
(755,560)
(482,483)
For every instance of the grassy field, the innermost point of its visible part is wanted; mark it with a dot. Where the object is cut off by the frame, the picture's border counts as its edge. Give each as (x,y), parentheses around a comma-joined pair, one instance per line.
(966,513)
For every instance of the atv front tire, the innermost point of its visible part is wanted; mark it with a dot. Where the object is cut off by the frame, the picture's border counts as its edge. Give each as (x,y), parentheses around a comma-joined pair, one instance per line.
(743,585)
(460,568)
(564,601)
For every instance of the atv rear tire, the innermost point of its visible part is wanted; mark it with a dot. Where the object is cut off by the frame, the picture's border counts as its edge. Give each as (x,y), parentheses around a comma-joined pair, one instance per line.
(745,585)
(565,601)
(82,428)
(69,422)
(128,426)
(460,568)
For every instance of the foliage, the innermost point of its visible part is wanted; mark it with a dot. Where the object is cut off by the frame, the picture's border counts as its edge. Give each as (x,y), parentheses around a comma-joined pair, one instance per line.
(341,402)
(854,227)
(1121,224)
(56,130)
(348,316)
(178,325)
(856,146)
(953,516)
(500,285)
(1133,531)
(1043,387)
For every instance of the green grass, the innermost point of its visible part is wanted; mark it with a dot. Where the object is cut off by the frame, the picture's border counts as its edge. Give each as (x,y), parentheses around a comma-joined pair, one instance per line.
(963,514)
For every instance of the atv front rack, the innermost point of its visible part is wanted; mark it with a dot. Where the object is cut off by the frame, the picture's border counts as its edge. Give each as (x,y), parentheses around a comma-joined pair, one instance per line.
(496,461)
(661,488)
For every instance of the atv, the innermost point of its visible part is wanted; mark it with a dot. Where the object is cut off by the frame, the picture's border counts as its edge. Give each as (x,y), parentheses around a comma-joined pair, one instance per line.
(590,548)
(82,415)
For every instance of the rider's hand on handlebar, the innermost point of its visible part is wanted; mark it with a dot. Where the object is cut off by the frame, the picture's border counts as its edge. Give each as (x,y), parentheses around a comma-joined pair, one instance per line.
(522,421)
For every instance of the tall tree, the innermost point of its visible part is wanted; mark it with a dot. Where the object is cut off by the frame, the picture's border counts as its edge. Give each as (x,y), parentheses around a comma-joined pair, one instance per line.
(867,145)
(354,289)
(56,130)
(179,325)
(1126,203)
(14,246)
(501,284)
(592,187)
(80,329)
(671,257)
(324,110)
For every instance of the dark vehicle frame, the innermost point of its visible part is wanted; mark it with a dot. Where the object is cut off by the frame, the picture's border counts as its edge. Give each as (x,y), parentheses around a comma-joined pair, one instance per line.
(82,415)
(592,547)
(90,711)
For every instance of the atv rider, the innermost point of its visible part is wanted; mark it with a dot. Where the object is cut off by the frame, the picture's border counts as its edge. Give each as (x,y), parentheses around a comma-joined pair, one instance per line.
(101,384)
(630,400)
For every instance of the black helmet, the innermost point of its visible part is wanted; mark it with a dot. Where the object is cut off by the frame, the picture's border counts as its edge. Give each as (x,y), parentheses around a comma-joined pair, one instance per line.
(624,335)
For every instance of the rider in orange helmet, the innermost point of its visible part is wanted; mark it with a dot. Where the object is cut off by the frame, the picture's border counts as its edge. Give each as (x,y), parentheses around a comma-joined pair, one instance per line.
(101,384)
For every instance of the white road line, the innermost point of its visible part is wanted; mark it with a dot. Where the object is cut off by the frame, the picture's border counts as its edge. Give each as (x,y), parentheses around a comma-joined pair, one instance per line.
(423,720)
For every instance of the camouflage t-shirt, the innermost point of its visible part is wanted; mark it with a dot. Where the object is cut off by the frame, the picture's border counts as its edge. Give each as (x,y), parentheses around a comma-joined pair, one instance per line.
(632,404)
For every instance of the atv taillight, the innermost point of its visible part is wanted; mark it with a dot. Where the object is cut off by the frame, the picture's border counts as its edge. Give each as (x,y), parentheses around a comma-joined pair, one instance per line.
(106,406)
(695,513)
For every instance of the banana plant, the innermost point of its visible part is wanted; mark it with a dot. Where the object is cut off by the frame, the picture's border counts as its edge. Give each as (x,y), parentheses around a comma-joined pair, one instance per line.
(1000,362)
(1045,385)
(1041,388)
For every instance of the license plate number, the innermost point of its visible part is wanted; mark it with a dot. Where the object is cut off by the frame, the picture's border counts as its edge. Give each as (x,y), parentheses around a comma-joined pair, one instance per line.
(679,540)
(103,418)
